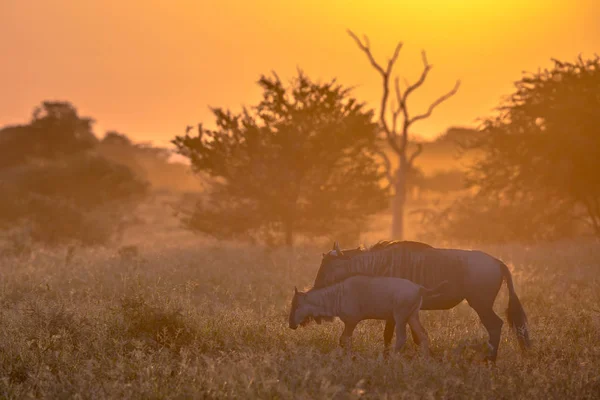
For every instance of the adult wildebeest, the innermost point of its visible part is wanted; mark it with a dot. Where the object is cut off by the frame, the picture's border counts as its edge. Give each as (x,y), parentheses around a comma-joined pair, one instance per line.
(471,275)
(366,297)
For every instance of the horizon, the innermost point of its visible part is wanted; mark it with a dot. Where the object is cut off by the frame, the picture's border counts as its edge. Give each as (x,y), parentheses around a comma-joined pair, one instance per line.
(140,68)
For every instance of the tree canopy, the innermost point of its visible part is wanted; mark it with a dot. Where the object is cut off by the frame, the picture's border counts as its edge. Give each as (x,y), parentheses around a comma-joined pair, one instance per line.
(55,130)
(536,174)
(301,161)
(54,184)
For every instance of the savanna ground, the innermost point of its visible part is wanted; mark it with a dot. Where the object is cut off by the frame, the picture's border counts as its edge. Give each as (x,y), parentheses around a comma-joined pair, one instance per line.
(191,318)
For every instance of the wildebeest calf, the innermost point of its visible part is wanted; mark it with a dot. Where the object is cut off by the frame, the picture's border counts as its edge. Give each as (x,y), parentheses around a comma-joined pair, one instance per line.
(362,297)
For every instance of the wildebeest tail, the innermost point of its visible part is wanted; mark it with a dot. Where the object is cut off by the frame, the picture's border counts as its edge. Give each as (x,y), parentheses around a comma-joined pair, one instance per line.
(515,312)
(434,292)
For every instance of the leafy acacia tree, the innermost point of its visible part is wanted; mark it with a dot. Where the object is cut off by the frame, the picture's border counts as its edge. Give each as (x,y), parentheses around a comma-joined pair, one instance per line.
(542,149)
(396,128)
(301,161)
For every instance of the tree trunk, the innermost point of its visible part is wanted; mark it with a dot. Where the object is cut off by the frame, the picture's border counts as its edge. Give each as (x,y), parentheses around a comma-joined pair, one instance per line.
(592,206)
(289,234)
(595,215)
(398,202)
(595,223)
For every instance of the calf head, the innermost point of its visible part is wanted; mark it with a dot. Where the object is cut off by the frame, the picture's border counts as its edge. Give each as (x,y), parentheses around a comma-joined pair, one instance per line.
(300,312)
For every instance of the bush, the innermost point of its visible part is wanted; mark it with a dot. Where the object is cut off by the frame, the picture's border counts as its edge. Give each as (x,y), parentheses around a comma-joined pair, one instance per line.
(476,219)
(301,162)
(156,325)
(83,198)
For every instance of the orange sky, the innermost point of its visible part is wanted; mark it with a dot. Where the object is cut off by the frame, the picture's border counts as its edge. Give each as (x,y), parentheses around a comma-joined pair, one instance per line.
(148,68)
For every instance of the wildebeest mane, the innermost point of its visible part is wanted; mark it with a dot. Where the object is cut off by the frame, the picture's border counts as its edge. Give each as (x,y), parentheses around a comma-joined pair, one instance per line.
(415,261)
(383,244)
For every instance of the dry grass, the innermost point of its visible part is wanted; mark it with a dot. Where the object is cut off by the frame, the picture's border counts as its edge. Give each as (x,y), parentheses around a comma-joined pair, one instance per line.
(210,321)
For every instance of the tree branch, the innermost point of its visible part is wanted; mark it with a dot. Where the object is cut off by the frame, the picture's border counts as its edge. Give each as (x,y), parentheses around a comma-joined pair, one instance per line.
(426,68)
(594,214)
(591,218)
(385,75)
(365,47)
(396,111)
(402,99)
(404,109)
(387,163)
(411,88)
(414,155)
(436,103)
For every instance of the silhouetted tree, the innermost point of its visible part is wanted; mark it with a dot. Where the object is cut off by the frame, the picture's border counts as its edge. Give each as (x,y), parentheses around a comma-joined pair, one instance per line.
(396,133)
(54,183)
(478,219)
(536,175)
(83,198)
(148,162)
(115,138)
(544,144)
(55,130)
(301,161)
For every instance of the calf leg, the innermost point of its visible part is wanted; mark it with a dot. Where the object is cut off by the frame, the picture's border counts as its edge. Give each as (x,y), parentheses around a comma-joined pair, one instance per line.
(388,334)
(400,319)
(400,335)
(346,337)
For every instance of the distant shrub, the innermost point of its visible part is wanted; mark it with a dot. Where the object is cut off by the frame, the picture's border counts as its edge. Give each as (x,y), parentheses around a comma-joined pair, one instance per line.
(155,325)
(83,198)
(150,163)
(444,181)
(541,149)
(475,219)
(55,131)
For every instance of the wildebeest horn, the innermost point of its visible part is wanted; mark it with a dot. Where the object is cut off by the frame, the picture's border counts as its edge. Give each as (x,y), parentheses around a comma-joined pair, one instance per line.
(295,290)
(336,247)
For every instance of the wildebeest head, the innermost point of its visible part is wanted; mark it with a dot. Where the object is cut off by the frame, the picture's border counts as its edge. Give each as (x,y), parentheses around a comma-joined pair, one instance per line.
(300,310)
(333,266)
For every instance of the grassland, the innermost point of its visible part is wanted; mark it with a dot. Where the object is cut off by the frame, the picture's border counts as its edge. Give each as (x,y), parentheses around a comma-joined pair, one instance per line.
(209,320)
(192,318)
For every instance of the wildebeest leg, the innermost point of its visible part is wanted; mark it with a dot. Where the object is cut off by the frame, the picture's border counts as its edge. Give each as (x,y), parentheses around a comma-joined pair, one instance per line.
(493,323)
(482,285)
(417,330)
(346,337)
(388,334)
(415,336)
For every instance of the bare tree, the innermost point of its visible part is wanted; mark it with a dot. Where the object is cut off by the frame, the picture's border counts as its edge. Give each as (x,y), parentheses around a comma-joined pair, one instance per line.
(396,132)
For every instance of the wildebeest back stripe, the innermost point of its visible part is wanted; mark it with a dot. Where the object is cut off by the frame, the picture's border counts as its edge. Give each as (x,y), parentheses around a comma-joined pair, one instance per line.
(423,265)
